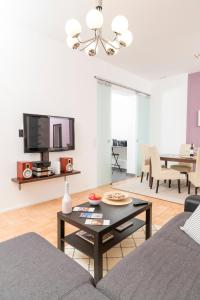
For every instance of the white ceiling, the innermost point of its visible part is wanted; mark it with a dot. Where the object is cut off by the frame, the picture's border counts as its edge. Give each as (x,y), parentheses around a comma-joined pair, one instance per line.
(166,32)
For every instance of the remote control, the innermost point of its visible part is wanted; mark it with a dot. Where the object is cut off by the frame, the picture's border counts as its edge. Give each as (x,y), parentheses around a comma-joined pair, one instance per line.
(138,203)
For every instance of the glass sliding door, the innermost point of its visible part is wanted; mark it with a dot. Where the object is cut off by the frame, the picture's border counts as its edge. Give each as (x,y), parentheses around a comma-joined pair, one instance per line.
(132,116)
(143,130)
(104,146)
(124,109)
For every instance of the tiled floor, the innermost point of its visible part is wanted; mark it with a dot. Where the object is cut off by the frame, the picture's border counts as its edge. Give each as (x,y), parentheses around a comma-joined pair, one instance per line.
(114,255)
(118,176)
(42,218)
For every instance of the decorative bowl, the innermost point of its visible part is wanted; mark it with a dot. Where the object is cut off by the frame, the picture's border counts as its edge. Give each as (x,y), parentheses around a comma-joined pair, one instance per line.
(94,202)
(116,196)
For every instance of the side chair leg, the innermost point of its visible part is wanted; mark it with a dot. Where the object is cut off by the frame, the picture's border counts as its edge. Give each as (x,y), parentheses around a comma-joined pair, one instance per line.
(170,183)
(187,179)
(147,176)
(151,183)
(142,174)
(196,190)
(157,186)
(189,185)
(179,186)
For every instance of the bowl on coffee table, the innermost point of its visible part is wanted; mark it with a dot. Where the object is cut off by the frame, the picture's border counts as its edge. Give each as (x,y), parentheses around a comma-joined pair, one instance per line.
(116,196)
(94,199)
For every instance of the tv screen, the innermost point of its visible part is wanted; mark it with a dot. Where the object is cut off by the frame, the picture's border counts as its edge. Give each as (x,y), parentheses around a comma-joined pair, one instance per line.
(48,133)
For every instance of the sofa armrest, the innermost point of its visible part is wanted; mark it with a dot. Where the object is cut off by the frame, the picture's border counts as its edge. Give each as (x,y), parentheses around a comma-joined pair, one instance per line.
(191,203)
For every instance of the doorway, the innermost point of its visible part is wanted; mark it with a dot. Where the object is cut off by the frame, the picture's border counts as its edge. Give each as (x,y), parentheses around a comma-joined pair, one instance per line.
(122,125)
(123,133)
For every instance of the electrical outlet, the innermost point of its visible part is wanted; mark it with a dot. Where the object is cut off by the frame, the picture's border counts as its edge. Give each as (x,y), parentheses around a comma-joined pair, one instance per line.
(21,133)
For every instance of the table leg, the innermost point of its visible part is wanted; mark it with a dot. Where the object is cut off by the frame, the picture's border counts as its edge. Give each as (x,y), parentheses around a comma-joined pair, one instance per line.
(165,181)
(148,231)
(60,234)
(98,258)
(150,173)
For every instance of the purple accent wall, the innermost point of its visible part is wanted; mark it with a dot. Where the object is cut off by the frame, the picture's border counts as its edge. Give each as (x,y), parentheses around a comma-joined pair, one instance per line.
(193,131)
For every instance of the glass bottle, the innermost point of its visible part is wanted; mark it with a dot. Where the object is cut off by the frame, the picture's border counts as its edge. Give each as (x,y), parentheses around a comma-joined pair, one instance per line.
(66,200)
(192,150)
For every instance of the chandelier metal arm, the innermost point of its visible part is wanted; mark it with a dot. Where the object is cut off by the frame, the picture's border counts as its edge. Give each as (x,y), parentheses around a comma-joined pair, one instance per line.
(115,37)
(87,41)
(99,5)
(110,44)
(103,45)
(92,41)
(97,41)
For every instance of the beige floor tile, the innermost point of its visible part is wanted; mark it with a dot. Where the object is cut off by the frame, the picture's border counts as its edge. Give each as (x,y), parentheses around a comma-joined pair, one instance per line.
(138,235)
(154,227)
(157,227)
(104,273)
(69,252)
(129,237)
(114,252)
(142,229)
(79,254)
(139,242)
(84,262)
(128,243)
(112,262)
(105,266)
(67,246)
(126,251)
(117,246)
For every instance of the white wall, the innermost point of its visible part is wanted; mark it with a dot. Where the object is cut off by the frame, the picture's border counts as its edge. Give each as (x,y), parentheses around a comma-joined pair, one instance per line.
(41,75)
(168,113)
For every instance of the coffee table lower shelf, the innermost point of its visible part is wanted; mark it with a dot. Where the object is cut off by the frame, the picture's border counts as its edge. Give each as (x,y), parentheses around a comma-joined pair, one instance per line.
(88,249)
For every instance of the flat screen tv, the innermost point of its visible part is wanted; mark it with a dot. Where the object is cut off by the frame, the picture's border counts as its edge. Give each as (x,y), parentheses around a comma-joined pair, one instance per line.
(48,133)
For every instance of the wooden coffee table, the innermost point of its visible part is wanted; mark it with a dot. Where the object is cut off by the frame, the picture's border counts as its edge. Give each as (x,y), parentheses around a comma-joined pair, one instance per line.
(117,216)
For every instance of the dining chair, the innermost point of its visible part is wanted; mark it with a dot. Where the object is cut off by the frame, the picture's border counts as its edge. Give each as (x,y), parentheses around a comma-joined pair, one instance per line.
(194,177)
(183,168)
(145,161)
(159,173)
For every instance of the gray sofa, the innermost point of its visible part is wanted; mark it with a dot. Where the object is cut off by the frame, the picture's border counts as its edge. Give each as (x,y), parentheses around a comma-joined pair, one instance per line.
(166,267)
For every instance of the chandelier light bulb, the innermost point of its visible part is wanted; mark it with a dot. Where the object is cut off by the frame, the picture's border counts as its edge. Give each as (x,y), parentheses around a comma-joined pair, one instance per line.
(73,43)
(119,24)
(94,19)
(73,28)
(125,39)
(112,50)
(92,49)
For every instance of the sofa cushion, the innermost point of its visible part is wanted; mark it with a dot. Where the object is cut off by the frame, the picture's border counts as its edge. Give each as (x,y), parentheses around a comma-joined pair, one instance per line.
(192,226)
(85,292)
(166,267)
(31,268)
(172,232)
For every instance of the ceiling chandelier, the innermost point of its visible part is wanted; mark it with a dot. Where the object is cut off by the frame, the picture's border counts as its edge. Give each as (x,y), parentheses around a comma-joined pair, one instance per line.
(94,20)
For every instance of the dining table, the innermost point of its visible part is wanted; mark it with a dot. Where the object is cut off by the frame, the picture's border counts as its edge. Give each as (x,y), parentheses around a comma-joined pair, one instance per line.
(173,158)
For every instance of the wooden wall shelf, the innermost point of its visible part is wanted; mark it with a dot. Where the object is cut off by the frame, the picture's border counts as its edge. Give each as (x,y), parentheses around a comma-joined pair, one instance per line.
(36,179)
